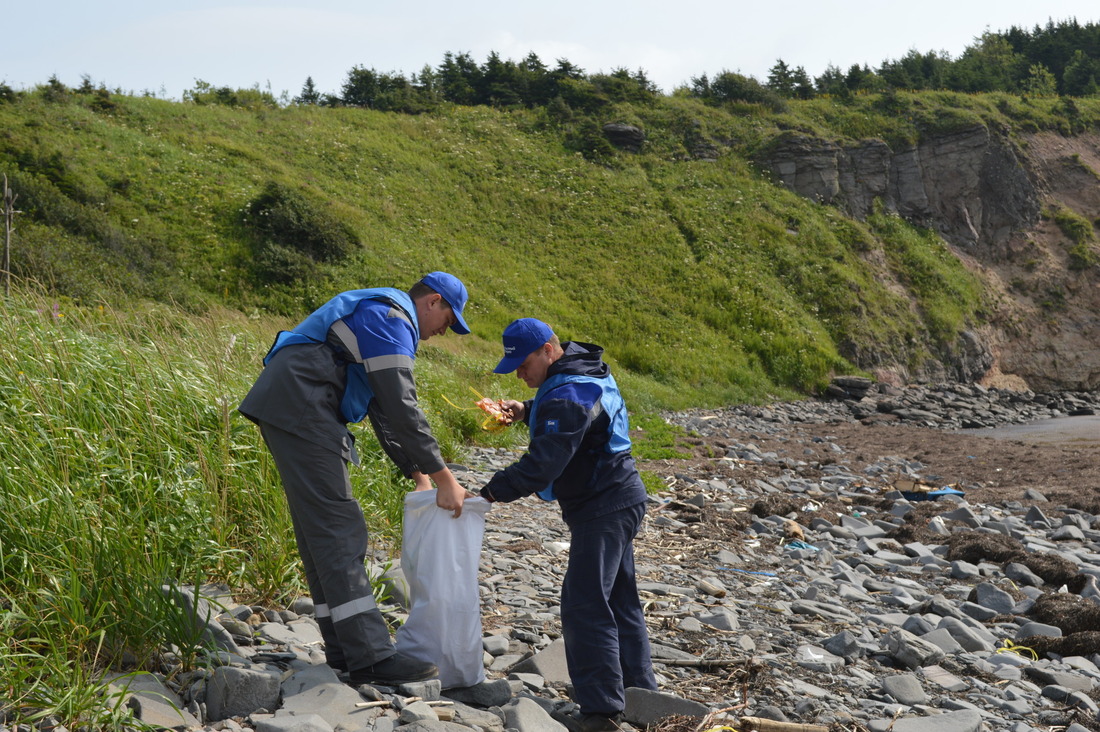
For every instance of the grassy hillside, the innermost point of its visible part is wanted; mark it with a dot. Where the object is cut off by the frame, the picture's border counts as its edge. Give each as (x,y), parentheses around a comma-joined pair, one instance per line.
(706,282)
(160,245)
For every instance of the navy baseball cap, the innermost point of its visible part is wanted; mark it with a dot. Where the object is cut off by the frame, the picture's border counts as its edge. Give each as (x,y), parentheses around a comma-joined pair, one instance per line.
(454,292)
(522,338)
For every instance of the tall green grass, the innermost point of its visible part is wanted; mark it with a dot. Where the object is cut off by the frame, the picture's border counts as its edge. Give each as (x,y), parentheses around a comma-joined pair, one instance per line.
(124,467)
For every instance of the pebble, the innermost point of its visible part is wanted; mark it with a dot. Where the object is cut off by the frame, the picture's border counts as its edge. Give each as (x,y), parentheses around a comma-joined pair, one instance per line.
(794,600)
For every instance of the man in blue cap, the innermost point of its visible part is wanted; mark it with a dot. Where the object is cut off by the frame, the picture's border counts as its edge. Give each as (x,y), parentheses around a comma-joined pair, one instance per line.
(579,453)
(352,359)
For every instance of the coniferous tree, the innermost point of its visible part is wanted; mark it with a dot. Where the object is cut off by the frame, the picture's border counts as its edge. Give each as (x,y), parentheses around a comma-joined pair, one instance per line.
(781,79)
(832,82)
(1081,75)
(309,94)
(459,78)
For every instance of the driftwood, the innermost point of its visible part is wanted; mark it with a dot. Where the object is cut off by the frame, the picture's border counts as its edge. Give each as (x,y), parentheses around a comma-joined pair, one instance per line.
(702,662)
(770,725)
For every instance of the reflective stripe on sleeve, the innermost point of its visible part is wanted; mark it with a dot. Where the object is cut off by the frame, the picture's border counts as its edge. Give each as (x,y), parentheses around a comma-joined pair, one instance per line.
(391,361)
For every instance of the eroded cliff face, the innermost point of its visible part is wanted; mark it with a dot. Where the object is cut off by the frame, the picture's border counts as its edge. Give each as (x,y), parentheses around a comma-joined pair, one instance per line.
(984,194)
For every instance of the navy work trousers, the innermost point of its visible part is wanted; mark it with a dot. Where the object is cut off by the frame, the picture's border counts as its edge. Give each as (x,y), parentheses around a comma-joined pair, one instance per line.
(606,641)
(332,541)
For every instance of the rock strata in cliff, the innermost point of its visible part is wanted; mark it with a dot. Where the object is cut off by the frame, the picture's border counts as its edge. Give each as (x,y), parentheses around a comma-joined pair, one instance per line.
(970,185)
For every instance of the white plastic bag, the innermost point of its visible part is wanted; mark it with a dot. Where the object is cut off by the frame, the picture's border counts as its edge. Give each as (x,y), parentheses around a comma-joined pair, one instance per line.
(440,556)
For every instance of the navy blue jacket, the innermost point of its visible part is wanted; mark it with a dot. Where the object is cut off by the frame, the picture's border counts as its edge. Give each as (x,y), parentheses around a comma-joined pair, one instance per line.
(568,447)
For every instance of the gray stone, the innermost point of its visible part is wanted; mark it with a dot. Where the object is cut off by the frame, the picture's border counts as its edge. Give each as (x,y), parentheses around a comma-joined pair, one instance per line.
(1069,680)
(978,612)
(238,692)
(416,712)
(943,678)
(495,645)
(844,644)
(1033,628)
(993,597)
(904,688)
(204,613)
(533,682)
(911,651)
(964,570)
(690,625)
(1068,533)
(316,690)
(967,637)
(526,715)
(722,620)
(428,725)
(645,707)
(426,690)
(302,633)
(154,703)
(480,719)
(494,693)
(944,640)
(548,663)
(829,612)
(1021,575)
(817,658)
(395,584)
(964,720)
(1081,700)
(293,723)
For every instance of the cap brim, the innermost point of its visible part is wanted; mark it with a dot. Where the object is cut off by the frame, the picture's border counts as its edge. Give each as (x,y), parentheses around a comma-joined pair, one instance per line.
(508,364)
(460,326)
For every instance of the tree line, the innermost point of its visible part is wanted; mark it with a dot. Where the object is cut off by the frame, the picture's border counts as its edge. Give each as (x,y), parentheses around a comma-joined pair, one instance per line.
(1060,58)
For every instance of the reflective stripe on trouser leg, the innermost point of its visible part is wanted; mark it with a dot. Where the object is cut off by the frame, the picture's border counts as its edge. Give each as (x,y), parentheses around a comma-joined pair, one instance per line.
(332,539)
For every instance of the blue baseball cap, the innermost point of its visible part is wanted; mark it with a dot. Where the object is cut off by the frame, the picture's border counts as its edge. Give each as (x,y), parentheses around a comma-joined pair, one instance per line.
(454,292)
(522,338)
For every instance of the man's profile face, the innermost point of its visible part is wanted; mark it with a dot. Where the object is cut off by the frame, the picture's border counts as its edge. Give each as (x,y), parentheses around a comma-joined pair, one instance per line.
(534,367)
(434,316)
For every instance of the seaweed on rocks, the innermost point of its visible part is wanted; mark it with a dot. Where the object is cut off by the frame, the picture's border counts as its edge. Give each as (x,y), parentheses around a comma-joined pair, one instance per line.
(1055,570)
(1085,643)
(1071,613)
(975,547)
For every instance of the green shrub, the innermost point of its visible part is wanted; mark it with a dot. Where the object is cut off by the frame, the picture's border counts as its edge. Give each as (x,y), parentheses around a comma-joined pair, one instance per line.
(1073,225)
(205,93)
(588,139)
(1082,256)
(298,221)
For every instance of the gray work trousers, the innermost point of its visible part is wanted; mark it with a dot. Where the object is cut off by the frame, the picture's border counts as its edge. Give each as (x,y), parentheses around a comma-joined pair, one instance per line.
(332,541)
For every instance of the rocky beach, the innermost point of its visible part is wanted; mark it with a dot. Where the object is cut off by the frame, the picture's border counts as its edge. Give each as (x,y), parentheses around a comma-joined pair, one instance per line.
(914,560)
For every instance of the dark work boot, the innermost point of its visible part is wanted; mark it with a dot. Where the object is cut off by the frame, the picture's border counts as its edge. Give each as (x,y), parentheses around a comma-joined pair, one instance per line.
(577,722)
(392,671)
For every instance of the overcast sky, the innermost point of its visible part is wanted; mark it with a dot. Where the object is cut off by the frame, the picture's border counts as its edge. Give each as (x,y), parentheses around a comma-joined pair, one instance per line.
(163,47)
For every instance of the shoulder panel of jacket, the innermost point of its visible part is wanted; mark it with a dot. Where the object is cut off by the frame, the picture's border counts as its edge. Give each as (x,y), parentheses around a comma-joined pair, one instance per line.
(610,401)
(315,328)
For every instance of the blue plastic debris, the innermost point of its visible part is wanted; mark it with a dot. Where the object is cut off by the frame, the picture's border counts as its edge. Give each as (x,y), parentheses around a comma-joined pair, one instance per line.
(932,495)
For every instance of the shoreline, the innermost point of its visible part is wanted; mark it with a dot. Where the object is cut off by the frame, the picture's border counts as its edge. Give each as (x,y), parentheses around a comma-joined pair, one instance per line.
(1079,431)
